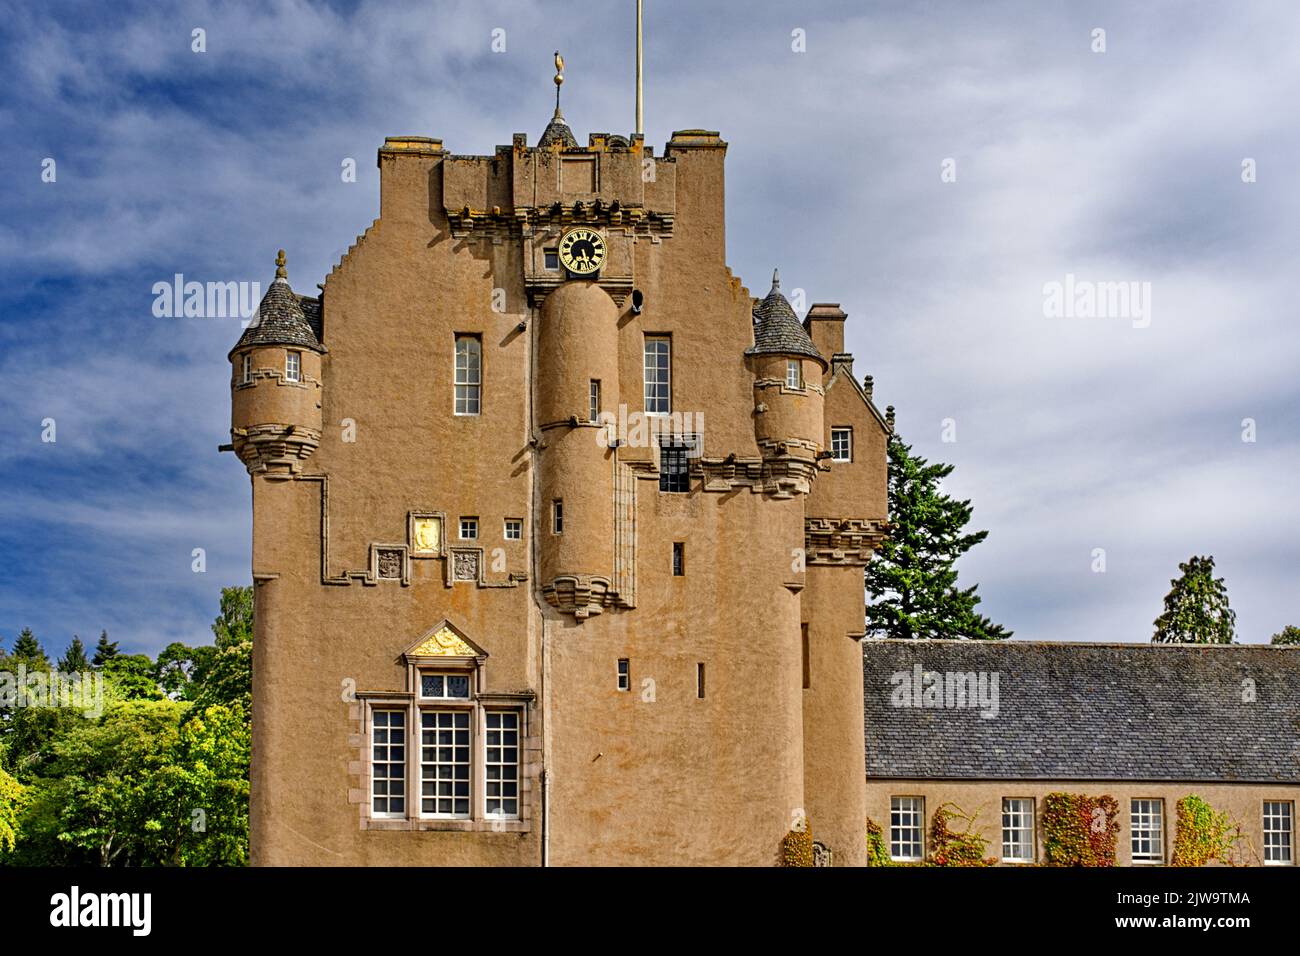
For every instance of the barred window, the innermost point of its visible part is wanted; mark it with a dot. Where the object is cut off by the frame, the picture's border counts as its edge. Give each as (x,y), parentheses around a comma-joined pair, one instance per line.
(469,374)
(388,763)
(841,444)
(906,818)
(1278,827)
(1017,830)
(1146,826)
(674,463)
(293,367)
(658,374)
(444,763)
(502,763)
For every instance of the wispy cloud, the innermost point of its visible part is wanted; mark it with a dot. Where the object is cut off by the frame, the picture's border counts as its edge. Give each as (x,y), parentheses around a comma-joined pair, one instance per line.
(1073,434)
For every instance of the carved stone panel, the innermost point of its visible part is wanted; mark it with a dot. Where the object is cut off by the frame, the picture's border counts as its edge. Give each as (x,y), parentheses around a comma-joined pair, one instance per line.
(389,563)
(465,565)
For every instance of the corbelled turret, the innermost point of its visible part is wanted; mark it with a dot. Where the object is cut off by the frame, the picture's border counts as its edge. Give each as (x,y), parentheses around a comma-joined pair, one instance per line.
(275,420)
(788,393)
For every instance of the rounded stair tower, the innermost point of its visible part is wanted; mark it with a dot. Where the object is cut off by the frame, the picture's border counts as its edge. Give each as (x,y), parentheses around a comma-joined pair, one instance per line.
(577,365)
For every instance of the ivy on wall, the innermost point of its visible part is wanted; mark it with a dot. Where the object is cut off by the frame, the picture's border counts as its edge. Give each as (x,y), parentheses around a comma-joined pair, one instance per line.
(877,846)
(1204,834)
(797,846)
(952,847)
(1079,830)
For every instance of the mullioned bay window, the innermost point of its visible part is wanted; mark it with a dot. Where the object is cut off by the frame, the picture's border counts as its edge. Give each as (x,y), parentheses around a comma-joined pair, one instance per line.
(445,753)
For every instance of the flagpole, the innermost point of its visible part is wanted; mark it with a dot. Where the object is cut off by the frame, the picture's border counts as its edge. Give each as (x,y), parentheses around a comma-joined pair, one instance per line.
(640,128)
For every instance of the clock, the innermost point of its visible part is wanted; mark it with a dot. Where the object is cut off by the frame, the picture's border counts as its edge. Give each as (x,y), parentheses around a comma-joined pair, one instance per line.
(582,251)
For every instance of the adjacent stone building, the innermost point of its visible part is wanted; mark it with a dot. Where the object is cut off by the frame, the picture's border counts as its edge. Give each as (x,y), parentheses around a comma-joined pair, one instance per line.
(991,728)
(558,533)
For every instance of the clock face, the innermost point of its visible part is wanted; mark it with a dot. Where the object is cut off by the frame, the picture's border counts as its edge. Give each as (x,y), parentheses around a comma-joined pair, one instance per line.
(582,251)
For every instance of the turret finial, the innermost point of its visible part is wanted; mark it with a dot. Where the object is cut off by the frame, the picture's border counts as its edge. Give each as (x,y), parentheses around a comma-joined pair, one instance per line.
(776,279)
(559,81)
(279,266)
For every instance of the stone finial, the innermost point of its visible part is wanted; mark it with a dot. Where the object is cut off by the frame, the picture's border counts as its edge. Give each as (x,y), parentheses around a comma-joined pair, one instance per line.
(868,385)
(889,417)
(279,266)
(776,278)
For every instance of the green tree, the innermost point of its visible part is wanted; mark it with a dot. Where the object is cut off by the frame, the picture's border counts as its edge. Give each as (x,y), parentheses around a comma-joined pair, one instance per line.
(105,650)
(224,674)
(174,670)
(12,800)
(1288,635)
(29,650)
(132,676)
(99,802)
(234,625)
(29,735)
(1196,607)
(202,793)
(75,660)
(912,578)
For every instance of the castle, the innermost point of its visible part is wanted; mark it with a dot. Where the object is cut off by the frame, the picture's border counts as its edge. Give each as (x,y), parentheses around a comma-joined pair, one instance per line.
(558,533)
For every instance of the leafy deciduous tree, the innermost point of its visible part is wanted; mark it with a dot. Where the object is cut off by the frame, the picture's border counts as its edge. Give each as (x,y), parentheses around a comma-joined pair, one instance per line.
(1288,635)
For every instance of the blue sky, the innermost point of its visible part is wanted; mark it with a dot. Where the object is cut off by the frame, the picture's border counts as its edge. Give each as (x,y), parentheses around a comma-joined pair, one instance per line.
(1072,434)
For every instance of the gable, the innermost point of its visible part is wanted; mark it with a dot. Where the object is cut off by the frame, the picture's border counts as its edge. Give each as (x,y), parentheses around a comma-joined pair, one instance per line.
(444,640)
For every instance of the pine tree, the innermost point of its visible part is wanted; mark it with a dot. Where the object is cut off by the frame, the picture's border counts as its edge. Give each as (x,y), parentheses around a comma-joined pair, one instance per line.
(912,578)
(27,648)
(1196,607)
(75,660)
(1288,635)
(105,650)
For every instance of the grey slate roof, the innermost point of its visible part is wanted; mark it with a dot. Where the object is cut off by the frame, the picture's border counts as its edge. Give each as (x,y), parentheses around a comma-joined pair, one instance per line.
(311,310)
(777,330)
(279,320)
(1089,712)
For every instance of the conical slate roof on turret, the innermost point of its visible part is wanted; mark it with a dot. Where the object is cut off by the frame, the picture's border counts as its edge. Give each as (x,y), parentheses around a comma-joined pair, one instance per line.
(777,330)
(557,131)
(279,319)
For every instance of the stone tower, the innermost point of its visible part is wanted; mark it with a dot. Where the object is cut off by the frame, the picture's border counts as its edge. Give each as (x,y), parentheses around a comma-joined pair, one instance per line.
(558,547)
